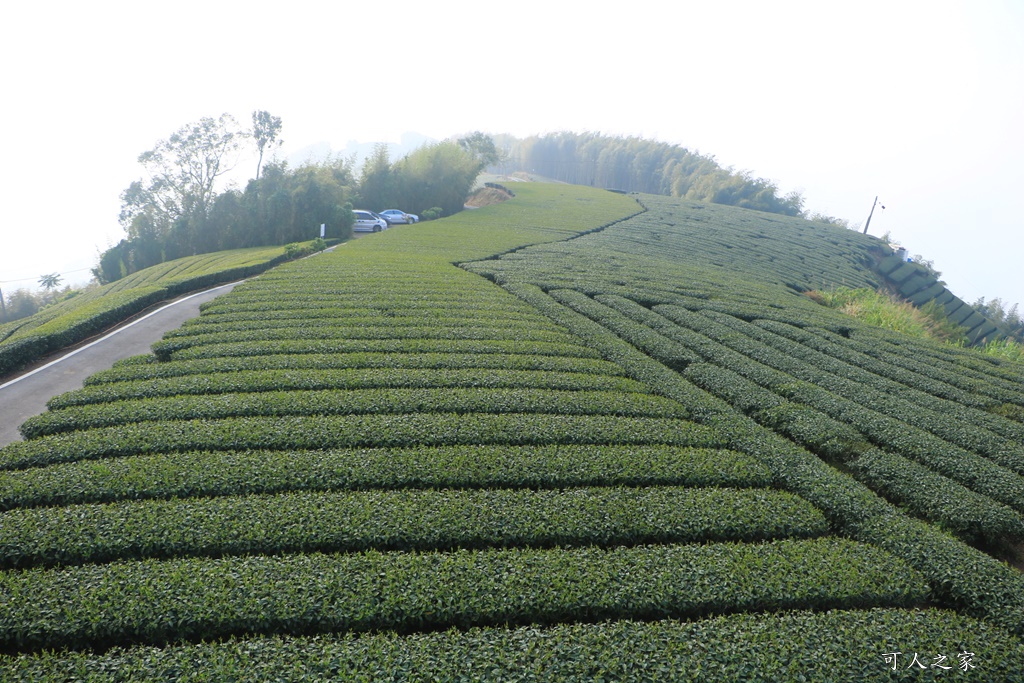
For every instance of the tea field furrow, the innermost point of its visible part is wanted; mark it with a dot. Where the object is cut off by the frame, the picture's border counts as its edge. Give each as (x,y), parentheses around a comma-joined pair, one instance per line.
(837,645)
(401,323)
(925,494)
(226,473)
(398,520)
(163,601)
(337,361)
(354,431)
(344,378)
(880,394)
(807,426)
(338,346)
(170,345)
(352,402)
(988,389)
(973,471)
(922,388)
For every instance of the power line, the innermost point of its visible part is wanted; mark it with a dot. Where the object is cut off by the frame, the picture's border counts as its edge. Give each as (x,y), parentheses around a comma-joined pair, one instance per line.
(28,279)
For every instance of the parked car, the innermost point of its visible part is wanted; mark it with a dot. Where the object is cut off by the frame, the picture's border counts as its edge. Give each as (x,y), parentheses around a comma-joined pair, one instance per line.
(368,221)
(394,216)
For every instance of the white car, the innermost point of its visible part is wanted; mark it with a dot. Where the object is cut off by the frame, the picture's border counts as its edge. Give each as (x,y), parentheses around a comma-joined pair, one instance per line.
(394,216)
(367,221)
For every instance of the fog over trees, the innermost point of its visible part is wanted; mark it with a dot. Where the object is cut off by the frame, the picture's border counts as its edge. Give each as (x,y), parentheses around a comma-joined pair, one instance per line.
(636,165)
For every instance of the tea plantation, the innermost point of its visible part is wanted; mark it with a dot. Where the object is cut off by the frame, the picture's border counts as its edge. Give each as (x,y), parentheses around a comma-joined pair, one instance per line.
(573,437)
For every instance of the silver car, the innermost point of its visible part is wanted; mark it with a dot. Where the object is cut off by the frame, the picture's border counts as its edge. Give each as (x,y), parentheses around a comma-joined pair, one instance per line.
(367,221)
(394,216)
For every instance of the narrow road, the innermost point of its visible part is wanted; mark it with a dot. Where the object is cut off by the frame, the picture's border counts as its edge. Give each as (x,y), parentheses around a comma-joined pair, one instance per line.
(26,395)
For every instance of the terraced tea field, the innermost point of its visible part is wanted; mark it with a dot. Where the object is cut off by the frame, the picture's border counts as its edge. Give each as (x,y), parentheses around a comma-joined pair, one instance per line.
(632,451)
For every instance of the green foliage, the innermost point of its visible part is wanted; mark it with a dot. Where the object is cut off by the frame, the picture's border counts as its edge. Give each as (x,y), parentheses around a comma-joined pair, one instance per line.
(282,206)
(161,602)
(378,182)
(637,165)
(403,520)
(887,312)
(196,474)
(1006,317)
(1005,348)
(472,399)
(837,645)
(437,175)
(432,181)
(355,431)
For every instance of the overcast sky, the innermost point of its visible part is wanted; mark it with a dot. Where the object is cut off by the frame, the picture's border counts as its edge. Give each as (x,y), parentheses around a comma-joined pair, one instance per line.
(920,103)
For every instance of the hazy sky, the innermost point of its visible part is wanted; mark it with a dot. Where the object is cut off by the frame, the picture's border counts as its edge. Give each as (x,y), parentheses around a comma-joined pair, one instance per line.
(920,103)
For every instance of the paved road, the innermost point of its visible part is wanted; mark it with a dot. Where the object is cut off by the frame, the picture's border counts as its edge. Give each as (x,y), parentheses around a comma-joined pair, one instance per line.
(25,396)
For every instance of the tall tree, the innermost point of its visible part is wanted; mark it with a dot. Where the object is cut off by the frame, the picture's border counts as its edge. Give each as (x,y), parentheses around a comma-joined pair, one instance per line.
(377,182)
(183,171)
(265,129)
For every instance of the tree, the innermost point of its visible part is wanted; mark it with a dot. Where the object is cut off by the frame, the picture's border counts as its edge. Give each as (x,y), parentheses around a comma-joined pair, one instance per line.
(21,303)
(437,175)
(50,282)
(482,147)
(377,182)
(183,171)
(265,129)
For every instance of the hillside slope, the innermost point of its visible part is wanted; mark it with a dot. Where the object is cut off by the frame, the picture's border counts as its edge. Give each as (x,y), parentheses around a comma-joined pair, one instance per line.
(561,438)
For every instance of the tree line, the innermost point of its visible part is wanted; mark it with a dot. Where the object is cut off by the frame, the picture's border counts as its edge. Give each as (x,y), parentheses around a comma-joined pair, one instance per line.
(634,164)
(180,211)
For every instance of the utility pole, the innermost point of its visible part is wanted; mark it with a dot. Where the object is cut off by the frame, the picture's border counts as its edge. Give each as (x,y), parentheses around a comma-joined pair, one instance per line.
(872,213)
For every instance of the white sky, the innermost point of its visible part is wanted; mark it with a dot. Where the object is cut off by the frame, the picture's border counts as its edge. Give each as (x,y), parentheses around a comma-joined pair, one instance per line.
(920,103)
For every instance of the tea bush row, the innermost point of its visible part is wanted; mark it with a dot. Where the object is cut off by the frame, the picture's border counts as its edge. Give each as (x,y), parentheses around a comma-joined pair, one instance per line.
(126,372)
(344,378)
(166,347)
(339,346)
(163,601)
(353,431)
(965,467)
(837,645)
(71,321)
(223,473)
(881,395)
(925,494)
(405,520)
(352,402)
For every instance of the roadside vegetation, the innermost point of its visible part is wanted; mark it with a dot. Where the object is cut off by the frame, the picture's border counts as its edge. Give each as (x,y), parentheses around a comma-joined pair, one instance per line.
(571,436)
